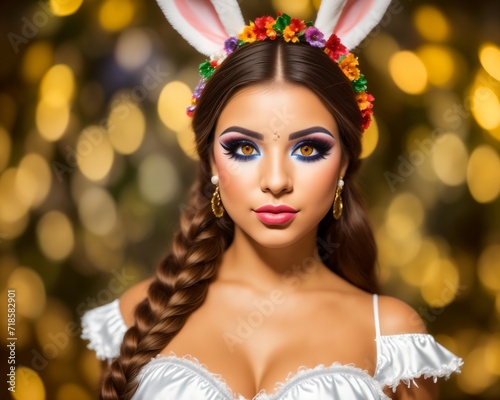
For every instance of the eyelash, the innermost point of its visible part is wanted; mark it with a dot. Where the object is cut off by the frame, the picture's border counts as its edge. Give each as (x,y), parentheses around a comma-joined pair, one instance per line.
(321,147)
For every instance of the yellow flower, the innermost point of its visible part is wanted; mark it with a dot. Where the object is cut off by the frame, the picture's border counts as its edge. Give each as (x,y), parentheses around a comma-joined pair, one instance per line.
(349,65)
(289,34)
(248,35)
(363,101)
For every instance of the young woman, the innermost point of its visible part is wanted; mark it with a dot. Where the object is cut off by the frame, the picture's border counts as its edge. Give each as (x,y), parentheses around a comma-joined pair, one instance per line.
(269,290)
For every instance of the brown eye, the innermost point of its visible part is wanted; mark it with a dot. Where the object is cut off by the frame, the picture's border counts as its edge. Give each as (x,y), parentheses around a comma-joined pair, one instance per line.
(306,150)
(247,149)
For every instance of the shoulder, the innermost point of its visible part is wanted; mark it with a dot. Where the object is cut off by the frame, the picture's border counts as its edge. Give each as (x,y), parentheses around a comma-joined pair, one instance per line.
(132,297)
(397,317)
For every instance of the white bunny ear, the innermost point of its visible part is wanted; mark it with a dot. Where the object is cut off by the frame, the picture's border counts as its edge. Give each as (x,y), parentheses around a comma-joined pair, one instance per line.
(350,20)
(205,24)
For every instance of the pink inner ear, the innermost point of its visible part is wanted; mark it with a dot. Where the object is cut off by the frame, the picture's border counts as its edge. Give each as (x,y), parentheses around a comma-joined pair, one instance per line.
(201,15)
(352,14)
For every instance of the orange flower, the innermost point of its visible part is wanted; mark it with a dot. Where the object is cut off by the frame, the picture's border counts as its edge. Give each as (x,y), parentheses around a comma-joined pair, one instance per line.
(248,35)
(289,35)
(364,100)
(349,65)
(270,32)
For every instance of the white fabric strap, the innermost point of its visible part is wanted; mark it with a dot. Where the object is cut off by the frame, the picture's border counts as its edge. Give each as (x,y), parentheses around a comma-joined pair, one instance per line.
(377,324)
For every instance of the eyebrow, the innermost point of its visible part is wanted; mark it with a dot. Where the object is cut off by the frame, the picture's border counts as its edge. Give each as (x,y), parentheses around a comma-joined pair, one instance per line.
(293,135)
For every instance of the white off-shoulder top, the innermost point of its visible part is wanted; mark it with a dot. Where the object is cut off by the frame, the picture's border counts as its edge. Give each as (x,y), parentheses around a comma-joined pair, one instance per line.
(400,359)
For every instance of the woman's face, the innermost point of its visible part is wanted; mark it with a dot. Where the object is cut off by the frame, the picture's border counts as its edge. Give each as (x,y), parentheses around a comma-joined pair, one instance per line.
(278,156)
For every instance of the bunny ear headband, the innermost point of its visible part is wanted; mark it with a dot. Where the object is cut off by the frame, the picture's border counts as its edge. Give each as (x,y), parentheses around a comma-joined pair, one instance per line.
(216,28)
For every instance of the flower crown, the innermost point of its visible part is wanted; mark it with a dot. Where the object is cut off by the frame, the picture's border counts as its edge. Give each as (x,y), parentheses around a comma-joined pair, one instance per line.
(292,30)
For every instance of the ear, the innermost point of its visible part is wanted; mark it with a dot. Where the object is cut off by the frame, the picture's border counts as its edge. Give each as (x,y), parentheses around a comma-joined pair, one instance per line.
(350,20)
(205,24)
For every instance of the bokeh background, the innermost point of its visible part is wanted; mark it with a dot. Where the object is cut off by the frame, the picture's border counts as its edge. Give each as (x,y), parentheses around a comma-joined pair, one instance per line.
(96,159)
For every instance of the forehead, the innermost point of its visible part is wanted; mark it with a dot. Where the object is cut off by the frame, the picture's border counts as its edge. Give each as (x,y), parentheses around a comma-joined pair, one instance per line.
(282,107)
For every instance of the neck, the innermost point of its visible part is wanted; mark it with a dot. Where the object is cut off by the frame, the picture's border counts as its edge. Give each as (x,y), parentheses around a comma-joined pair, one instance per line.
(291,267)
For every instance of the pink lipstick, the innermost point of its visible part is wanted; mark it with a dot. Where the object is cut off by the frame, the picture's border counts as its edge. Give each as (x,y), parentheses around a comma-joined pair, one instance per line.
(275,215)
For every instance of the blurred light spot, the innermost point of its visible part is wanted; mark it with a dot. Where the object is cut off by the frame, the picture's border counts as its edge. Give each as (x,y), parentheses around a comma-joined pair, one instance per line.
(29,385)
(404,215)
(382,47)
(90,368)
(485,107)
(495,132)
(33,180)
(298,9)
(8,111)
(115,15)
(439,63)
(483,174)
(158,180)
(421,269)
(52,120)
(13,229)
(37,60)
(431,23)
(475,377)
(133,49)
(126,127)
(186,141)
(12,208)
(135,214)
(174,98)
(489,55)
(30,292)
(408,72)
(493,354)
(55,235)
(58,85)
(5,148)
(62,8)
(442,288)
(101,256)
(94,153)
(488,268)
(449,159)
(97,210)
(73,392)
(369,139)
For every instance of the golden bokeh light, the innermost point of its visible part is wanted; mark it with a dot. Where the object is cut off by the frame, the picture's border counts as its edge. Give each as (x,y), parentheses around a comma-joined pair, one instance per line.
(442,287)
(126,127)
(421,270)
(158,179)
(133,49)
(475,376)
(493,354)
(404,215)
(29,385)
(91,368)
(298,8)
(73,392)
(369,140)
(94,153)
(114,15)
(12,208)
(51,119)
(30,291)
(483,174)
(408,72)
(97,210)
(431,23)
(449,159)
(439,62)
(5,148)
(33,180)
(489,55)
(58,85)
(37,60)
(186,141)
(382,47)
(174,98)
(485,107)
(55,235)
(488,268)
(62,8)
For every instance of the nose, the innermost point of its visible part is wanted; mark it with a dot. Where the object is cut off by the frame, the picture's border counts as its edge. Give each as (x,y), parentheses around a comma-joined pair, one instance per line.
(276,174)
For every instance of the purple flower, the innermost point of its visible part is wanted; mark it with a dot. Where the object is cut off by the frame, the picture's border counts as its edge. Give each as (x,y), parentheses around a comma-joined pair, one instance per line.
(230,44)
(199,88)
(314,37)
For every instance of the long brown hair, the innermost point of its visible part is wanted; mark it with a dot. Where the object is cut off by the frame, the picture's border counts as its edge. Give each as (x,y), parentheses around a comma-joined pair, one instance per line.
(182,278)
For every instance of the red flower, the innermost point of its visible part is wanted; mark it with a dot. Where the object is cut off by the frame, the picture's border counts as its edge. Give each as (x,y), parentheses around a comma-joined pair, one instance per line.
(366,118)
(297,25)
(262,25)
(334,48)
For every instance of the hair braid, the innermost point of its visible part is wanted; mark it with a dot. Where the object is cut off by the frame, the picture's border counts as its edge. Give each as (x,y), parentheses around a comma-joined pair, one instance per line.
(180,287)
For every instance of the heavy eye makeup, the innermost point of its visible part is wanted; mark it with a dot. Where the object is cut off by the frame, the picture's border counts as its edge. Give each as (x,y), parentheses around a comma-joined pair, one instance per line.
(312,149)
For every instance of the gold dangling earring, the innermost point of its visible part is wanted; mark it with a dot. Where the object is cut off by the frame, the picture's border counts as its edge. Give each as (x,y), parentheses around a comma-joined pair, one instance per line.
(217,207)
(338,206)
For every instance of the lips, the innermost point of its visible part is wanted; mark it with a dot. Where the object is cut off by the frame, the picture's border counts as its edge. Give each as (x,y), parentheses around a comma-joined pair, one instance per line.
(275,215)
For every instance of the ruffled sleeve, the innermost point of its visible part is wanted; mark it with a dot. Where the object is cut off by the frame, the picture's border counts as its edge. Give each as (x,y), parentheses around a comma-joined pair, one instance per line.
(406,357)
(104,328)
